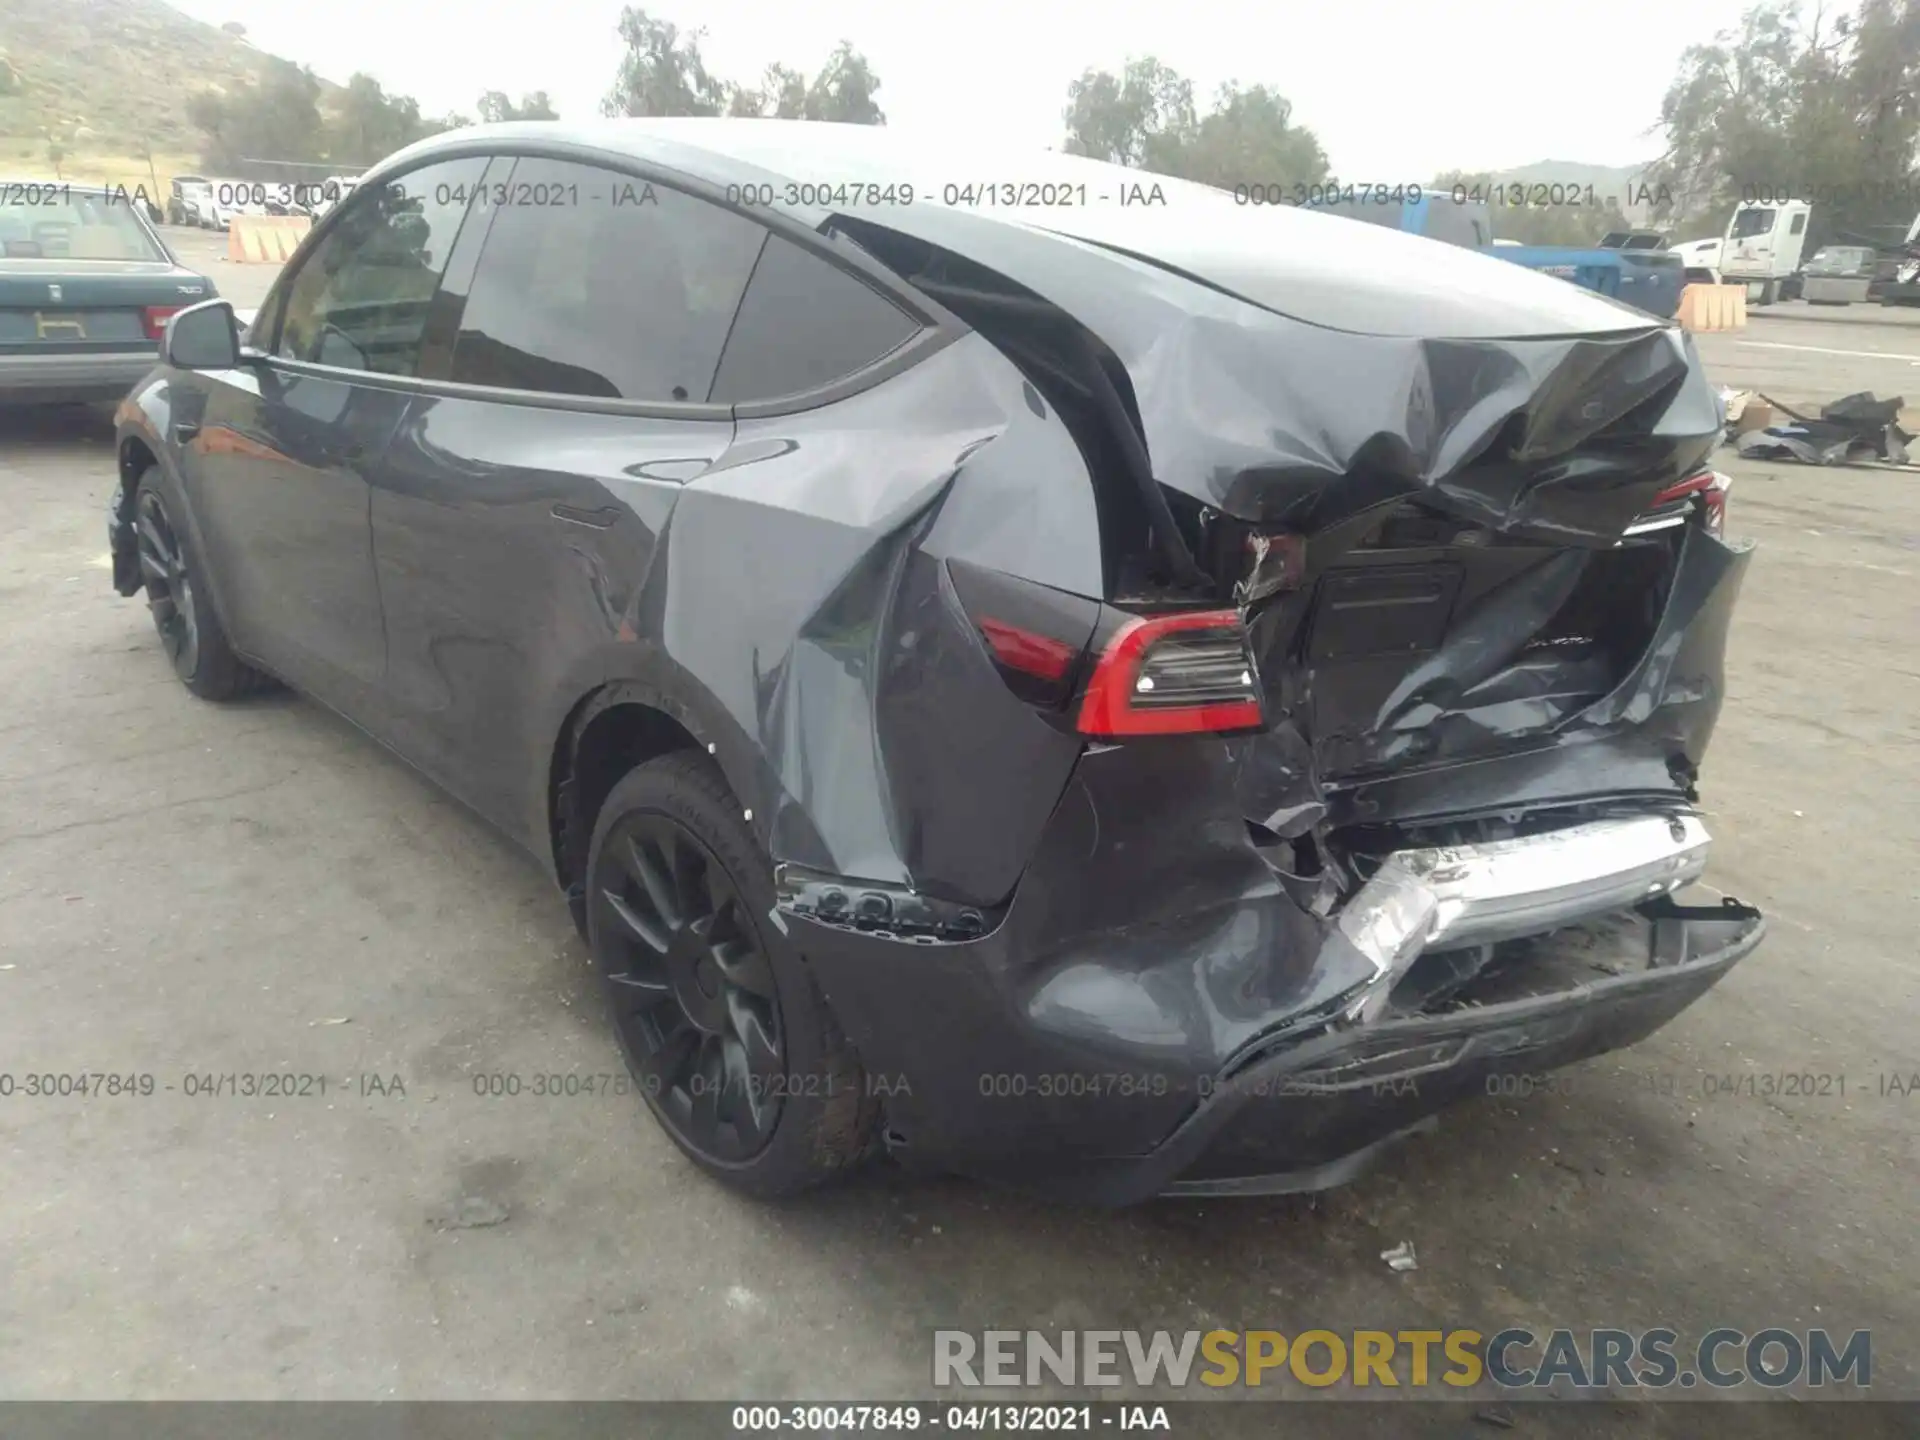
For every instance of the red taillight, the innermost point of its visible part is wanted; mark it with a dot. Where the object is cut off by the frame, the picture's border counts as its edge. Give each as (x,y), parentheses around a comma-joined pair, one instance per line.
(156,317)
(1689,486)
(1040,656)
(1711,486)
(1184,674)
(1713,504)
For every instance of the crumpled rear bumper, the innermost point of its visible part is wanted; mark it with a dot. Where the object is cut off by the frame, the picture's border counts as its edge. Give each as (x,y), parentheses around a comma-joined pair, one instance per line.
(1311,1115)
(1252,1047)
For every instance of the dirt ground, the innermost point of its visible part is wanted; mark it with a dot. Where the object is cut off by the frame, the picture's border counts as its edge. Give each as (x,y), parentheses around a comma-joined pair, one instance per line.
(192,889)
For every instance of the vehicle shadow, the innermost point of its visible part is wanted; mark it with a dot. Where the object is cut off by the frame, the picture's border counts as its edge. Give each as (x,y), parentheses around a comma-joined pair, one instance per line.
(56,424)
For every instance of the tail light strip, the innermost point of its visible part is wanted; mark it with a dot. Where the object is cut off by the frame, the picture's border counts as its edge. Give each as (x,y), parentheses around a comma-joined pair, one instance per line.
(1182,674)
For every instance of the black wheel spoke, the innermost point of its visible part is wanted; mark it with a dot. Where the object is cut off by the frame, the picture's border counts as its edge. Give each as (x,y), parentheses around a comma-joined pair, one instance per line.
(669,1064)
(155,540)
(643,863)
(690,880)
(757,1044)
(745,1100)
(745,967)
(636,924)
(640,994)
(728,921)
(691,986)
(707,1078)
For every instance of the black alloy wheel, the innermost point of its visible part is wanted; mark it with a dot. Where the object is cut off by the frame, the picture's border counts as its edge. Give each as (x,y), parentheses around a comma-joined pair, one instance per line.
(696,1006)
(169,581)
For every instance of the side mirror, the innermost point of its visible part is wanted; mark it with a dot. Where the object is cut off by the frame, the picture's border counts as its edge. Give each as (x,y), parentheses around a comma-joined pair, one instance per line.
(203,337)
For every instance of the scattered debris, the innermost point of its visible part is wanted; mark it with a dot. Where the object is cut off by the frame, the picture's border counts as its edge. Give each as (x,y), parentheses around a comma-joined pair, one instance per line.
(1849,429)
(1400,1257)
(335,1020)
(1498,1416)
(471,1212)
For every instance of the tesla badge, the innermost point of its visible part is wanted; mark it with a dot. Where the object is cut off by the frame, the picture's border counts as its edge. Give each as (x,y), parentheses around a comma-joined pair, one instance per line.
(53,292)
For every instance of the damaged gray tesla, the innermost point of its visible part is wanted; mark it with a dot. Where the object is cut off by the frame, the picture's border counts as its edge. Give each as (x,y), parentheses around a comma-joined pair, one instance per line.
(1021,664)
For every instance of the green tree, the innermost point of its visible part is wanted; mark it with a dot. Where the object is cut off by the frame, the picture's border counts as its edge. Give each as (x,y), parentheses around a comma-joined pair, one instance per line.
(780,95)
(1141,117)
(277,117)
(1249,138)
(368,124)
(494,107)
(842,91)
(1145,117)
(1827,108)
(662,72)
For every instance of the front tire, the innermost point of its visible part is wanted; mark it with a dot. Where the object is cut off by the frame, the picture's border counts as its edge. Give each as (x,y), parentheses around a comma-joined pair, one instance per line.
(190,632)
(723,1029)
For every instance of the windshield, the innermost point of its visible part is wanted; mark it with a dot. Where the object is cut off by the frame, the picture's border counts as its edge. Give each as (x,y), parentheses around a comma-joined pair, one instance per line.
(53,221)
(1841,257)
(1749,223)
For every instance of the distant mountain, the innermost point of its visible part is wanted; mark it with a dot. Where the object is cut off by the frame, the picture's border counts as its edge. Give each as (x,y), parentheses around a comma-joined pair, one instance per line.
(114,75)
(1617,182)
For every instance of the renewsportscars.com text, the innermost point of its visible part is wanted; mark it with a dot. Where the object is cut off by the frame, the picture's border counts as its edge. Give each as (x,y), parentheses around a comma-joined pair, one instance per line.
(1514,1358)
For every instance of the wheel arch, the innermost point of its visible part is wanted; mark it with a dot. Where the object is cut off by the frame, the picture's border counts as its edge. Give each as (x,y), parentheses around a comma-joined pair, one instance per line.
(611,728)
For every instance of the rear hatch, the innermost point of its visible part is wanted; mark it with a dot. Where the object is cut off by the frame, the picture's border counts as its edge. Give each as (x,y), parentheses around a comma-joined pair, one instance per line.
(1438,639)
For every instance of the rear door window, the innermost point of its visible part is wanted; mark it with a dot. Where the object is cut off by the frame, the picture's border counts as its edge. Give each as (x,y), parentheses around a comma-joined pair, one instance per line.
(804,324)
(360,300)
(53,220)
(595,283)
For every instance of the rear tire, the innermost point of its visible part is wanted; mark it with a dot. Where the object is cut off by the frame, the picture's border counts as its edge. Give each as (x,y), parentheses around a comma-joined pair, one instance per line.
(182,607)
(1769,292)
(727,1036)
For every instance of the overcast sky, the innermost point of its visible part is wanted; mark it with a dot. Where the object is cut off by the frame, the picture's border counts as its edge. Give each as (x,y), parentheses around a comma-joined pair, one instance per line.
(1396,89)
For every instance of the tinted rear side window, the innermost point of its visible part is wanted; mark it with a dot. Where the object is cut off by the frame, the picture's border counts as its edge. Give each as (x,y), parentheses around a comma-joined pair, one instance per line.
(594,283)
(804,323)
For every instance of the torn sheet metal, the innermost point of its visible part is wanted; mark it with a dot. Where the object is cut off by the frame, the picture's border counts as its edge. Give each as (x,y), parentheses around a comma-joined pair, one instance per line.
(1851,428)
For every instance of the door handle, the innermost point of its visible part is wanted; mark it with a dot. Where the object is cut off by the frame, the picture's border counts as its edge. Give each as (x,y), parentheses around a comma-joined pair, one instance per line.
(353,452)
(184,431)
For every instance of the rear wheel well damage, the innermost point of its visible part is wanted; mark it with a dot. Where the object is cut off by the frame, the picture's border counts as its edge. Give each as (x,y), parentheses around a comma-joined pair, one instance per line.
(134,458)
(607,734)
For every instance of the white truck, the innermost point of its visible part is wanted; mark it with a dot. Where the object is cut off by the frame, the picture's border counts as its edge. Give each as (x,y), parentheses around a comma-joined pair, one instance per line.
(1763,247)
(1702,259)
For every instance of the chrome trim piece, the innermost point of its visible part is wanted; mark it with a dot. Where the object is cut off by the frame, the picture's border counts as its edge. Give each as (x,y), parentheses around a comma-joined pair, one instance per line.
(1659,522)
(1453,896)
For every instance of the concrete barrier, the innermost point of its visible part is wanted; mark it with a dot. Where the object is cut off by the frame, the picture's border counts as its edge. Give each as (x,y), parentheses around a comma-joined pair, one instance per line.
(1713,307)
(266,239)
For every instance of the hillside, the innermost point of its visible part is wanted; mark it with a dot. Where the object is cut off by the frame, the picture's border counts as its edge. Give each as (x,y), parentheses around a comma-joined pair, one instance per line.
(1608,181)
(114,75)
